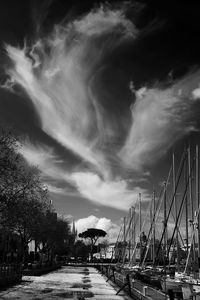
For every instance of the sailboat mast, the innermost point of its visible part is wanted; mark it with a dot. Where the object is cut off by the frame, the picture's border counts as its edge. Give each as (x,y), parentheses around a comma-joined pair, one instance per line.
(186,206)
(140,225)
(154,234)
(124,240)
(198,203)
(165,218)
(175,206)
(134,232)
(124,232)
(190,198)
(130,234)
(151,221)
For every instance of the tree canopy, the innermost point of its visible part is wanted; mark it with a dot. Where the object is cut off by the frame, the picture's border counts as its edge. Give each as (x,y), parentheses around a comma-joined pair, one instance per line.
(93,234)
(25,207)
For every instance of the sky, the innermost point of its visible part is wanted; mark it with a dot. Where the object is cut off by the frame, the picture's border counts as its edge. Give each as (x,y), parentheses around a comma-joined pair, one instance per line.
(100,94)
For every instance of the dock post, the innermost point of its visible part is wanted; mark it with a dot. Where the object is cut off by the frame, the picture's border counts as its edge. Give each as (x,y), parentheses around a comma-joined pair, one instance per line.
(171,294)
(114,276)
(127,283)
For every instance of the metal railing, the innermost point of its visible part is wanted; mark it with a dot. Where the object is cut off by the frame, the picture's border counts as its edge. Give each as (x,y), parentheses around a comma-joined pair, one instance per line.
(9,270)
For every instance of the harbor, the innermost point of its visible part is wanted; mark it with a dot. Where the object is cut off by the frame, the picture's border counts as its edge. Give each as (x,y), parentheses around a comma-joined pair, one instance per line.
(161,262)
(99,150)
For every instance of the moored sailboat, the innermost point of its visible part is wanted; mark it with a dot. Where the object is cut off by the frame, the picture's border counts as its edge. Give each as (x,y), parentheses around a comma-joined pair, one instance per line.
(147,261)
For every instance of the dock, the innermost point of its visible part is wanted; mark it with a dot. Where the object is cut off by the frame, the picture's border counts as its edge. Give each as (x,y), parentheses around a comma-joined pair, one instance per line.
(136,289)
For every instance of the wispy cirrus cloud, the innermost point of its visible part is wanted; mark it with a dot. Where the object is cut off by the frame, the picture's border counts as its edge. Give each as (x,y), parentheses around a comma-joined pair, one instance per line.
(56,190)
(44,158)
(55,177)
(114,193)
(160,116)
(57,81)
(58,84)
(111,193)
(56,73)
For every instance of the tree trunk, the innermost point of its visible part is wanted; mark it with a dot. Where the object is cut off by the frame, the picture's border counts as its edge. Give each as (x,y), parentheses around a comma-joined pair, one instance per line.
(24,252)
(91,251)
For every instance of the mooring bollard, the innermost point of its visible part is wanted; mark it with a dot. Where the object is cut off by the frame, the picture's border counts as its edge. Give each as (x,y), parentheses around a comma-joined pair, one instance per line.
(145,290)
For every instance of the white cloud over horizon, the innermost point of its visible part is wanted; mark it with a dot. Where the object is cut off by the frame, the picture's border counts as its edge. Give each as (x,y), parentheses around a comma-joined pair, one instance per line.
(105,224)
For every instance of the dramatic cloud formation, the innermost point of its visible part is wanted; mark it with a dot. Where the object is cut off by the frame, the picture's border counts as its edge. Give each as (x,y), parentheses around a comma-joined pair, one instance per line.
(61,75)
(108,193)
(56,190)
(44,158)
(57,82)
(161,116)
(49,164)
(91,186)
(107,225)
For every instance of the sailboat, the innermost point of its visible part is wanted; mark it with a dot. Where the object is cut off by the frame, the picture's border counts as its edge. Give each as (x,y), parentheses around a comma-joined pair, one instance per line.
(182,281)
(132,250)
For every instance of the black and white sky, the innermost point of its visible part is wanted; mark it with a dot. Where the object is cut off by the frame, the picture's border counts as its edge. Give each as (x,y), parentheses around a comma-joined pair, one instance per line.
(99,94)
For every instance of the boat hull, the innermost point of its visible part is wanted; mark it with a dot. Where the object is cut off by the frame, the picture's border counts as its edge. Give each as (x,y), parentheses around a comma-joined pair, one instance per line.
(171,284)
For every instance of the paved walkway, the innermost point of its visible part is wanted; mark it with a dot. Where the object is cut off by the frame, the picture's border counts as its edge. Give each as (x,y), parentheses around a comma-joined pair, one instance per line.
(67,283)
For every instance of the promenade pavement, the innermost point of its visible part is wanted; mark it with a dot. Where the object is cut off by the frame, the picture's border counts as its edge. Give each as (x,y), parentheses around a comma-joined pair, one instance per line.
(66,283)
